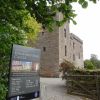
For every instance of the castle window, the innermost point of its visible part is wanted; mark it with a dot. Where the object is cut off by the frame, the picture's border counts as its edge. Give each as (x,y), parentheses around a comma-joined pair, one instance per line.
(44,49)
(64,32)
(79,56)
(42,33)
(70,55)
(73,57)
(73,45)
(65,50)
(70,43)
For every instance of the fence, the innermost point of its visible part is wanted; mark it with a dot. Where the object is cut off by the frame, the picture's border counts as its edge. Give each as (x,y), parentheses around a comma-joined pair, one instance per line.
(84,85)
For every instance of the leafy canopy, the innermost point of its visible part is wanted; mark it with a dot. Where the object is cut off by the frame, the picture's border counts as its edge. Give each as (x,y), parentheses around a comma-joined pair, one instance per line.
(92,63)
(45,10)
(88,65)
(13,11)
(16,26)
(95,61)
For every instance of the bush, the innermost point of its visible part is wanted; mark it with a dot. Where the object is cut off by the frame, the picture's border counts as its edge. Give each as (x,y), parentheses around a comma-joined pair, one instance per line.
(65,66)
(88,64)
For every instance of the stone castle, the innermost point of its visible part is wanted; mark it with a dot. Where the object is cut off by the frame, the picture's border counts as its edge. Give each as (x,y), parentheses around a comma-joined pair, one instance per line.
(59,45)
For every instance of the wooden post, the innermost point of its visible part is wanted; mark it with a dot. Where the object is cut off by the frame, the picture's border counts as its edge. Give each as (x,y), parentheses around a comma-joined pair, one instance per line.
(97,87)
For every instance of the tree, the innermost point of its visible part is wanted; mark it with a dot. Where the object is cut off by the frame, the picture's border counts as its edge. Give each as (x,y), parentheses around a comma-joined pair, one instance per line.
(8,35)
(44,10)
(88,65)
(65,66)
(95,60)
(92,63)
(12,11)
(16,26)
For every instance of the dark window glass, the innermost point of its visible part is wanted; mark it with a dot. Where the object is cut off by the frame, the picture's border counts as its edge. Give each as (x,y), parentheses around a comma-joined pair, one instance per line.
(65,50)
(73,45)
(65,32)
(44,49)
(73,57)
(79,56)
(70,43)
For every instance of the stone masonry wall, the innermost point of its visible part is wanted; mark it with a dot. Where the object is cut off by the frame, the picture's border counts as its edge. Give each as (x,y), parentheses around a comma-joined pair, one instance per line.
(76,51)
(50,56)
(56,46)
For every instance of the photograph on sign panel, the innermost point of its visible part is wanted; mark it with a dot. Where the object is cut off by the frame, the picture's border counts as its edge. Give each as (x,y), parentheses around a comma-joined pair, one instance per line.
(24,66)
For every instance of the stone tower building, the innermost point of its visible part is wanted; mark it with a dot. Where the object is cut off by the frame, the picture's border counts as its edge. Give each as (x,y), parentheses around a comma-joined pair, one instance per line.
(59,45)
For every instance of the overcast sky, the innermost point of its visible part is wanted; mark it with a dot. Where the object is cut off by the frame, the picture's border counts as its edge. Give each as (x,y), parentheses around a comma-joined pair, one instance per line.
(88,28)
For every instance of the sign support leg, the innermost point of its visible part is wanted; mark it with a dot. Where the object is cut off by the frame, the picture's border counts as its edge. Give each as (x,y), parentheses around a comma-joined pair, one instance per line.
(17,97)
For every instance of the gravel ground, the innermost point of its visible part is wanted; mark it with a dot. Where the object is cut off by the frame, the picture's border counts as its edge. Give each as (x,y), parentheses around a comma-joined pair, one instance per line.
(55,89)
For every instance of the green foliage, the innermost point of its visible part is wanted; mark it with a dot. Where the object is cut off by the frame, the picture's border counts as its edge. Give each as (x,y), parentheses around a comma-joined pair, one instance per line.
(12,11)
(45,10)
(83,3)
(16,26)
(95,60)
(65,66)
(7,37)
(3,87)
(88,64)
(92,63)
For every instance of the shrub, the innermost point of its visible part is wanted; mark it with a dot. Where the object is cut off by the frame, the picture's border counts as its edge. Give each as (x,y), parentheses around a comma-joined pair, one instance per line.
(88,64)
(65,66)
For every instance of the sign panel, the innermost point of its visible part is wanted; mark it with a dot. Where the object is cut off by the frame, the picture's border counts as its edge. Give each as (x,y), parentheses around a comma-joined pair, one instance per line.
(24,78)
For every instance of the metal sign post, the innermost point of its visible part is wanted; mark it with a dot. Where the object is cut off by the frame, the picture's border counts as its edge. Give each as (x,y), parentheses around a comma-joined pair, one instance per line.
(17,97)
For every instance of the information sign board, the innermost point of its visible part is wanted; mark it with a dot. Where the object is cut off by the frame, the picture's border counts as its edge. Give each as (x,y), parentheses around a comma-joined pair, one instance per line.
(24,80)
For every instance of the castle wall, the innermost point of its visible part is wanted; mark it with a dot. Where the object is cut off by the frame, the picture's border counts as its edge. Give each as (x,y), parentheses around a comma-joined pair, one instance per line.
(64,40)
(76,56)
(59,45)
(50,56)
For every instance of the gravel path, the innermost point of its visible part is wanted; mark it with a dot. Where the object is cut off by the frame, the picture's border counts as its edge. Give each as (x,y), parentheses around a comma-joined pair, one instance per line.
(55,89)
